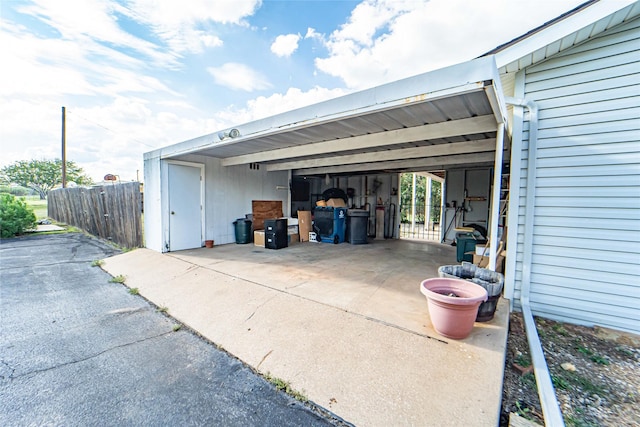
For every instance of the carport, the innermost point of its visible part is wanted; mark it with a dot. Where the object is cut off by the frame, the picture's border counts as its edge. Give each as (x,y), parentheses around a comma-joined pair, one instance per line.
(348,326)
(450,117)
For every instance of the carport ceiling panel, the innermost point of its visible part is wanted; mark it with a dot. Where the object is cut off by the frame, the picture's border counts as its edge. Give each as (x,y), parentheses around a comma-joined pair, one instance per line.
(368,124)
(469,104)
(367,142)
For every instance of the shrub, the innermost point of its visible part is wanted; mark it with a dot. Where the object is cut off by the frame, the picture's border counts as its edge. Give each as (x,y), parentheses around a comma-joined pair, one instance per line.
(15,216)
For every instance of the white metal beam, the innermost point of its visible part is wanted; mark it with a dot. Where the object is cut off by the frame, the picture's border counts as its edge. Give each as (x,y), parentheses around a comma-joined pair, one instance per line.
(432,176)
(472,125)
(412,164)
(465,147)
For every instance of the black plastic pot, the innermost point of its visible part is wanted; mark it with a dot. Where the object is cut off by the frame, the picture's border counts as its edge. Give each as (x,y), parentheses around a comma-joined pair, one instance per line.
(490,280)
(487,309)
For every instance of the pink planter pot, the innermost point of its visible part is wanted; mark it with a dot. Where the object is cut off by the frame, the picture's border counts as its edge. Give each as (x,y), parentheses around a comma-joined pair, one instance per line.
(453,316)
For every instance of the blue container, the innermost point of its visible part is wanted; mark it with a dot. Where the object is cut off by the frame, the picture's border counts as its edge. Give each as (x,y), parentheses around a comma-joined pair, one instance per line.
(331,223)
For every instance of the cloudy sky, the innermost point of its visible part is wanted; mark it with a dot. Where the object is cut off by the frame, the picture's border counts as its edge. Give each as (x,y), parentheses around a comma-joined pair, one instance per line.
(135,75)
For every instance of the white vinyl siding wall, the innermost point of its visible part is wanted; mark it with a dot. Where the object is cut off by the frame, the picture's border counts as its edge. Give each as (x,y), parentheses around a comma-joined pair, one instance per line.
(585,263)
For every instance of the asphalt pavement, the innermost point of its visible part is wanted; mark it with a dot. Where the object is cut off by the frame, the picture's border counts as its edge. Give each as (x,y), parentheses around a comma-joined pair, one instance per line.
(76,349)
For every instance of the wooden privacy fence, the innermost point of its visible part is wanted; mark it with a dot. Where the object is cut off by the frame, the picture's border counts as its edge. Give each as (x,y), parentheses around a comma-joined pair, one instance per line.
(112,212)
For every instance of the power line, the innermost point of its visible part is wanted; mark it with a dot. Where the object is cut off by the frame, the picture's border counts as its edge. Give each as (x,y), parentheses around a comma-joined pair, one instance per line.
(110,130)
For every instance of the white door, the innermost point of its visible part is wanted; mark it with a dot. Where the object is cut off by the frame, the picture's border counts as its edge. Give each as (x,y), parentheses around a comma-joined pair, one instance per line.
(185,215)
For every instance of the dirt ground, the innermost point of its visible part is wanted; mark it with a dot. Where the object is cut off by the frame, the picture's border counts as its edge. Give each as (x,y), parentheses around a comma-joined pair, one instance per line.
(596,374)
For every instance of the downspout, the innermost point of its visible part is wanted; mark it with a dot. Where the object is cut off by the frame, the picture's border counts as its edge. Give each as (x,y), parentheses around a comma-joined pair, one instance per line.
(546,392)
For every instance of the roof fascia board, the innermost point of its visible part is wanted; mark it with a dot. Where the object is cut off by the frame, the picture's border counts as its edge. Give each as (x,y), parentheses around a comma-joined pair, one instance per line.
(471,125)
(448,81)
(430,163)
(555,32)
(403,153)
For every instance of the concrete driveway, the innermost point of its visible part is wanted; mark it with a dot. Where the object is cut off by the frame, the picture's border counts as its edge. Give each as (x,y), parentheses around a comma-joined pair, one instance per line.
(76,349)
(345,324)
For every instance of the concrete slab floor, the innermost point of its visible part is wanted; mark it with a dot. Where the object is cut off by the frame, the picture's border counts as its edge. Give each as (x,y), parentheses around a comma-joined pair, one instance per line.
(345,324)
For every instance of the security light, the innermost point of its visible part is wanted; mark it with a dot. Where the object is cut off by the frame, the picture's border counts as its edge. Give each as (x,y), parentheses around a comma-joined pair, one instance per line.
(233,133)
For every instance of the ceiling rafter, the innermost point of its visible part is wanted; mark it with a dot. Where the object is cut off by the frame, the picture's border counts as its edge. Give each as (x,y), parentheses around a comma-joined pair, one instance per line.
(471,125)
(400,154)
(401,165)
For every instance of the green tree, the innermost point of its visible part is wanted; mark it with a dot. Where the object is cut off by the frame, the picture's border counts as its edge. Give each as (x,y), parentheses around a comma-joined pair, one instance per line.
(406,183)
(15,216)
(42,175)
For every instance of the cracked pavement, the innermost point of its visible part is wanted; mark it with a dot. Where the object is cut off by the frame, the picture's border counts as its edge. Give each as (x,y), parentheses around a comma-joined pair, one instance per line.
(76,349)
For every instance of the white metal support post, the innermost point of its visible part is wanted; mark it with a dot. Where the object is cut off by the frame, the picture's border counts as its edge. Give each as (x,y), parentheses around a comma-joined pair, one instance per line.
(495,197)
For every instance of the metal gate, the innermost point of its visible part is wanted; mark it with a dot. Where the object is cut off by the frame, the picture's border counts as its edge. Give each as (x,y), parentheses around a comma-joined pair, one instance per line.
(416,198)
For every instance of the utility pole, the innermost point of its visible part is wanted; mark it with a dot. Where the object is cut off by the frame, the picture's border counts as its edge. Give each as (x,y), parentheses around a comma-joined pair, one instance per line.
(64,149)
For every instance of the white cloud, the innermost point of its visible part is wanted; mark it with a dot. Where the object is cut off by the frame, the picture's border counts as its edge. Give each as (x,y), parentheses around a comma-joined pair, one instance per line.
(239,77)
(385,40)
(78,20)
(78,66)
(313,34)
(265,106)
(285,45)
(210,41)
(177,23)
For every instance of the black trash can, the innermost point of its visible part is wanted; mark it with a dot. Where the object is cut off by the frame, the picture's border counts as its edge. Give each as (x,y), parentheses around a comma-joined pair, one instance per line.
(243,230)
(492,281)
(357,226)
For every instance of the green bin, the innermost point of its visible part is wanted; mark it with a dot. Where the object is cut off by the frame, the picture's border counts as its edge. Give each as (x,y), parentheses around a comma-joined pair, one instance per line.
(243,230)
(465,242)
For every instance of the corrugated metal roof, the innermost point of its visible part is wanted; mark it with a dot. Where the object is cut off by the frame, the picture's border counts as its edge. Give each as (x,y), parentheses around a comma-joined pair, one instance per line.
(456,105)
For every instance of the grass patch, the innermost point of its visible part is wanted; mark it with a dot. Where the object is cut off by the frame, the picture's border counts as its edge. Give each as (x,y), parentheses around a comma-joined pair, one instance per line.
(177,327)
(118,279)
(134,291)
(600,360)
(523,360)
(574,421)
(285,386)
(567,380)
(523,410)
(584,350)
(558,328)
(97,263)
(597,358)
(560,382)
(528,380)
(625,351)
(39,206)
(163,309)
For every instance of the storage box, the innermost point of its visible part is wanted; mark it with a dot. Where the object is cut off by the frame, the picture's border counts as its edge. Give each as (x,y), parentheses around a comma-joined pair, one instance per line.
(336,203)
(480,261)
(483,261)
(294,238)
(304,225)
(258,238)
